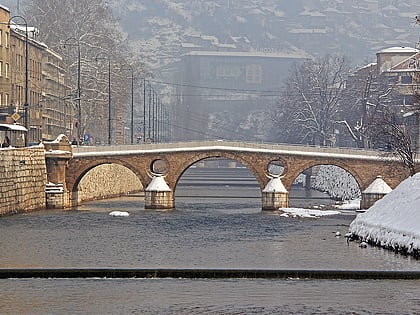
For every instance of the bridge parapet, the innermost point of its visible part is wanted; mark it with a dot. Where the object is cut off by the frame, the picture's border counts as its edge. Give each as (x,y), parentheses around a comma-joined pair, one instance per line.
(214,144)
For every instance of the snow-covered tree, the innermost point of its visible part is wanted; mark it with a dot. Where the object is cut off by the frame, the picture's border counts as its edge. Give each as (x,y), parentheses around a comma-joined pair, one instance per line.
(312,101)
(66,26)
(389,133)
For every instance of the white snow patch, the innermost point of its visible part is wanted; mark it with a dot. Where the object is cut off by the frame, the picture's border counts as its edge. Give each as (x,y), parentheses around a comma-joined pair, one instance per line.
(394,220)
(275,185)
(119,214)
(306,213)
(158,184)
(378,186)
(349,205)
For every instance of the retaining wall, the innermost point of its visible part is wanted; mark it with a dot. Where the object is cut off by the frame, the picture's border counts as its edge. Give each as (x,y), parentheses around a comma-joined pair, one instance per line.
(23,176)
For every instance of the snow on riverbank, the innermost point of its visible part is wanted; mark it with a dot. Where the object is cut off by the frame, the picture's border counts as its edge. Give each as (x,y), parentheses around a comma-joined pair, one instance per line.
(394,221)
(306,213)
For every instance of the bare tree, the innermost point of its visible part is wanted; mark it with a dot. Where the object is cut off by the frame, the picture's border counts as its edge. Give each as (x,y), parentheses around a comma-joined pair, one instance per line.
(90,26)
(367,93)
(310,106)
(389,133)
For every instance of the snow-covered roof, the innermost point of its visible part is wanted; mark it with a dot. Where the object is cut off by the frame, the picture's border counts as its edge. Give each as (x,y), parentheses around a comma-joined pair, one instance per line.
(378,186)
(275,185)
(244,54)
(399,49)
(312,13)
(410,113)
(190,45)
(308,31)
(158,184)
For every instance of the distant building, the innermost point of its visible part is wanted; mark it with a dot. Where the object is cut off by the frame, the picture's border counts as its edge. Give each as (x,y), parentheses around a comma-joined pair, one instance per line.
(400,67)
(223,94)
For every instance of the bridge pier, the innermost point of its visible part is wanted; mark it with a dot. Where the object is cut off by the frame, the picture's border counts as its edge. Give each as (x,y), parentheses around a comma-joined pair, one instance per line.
(375,191)
(158,195)
(275,195)
(58,153)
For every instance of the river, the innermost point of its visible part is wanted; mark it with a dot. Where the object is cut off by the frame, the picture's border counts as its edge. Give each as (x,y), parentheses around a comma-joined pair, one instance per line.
(217,224)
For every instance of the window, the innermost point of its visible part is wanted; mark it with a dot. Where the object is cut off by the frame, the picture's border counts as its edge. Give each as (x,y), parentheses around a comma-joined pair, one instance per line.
(227,71)
(253,74)
(6,70)
(1,37)
(1,68)
(407,79)
(6,39)
(1,98)
(6,99)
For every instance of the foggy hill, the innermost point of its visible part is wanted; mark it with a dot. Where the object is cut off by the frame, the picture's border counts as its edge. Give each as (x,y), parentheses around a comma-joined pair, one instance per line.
(160,28)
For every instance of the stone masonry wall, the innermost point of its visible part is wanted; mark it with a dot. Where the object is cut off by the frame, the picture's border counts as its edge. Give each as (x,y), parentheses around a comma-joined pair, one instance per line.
(108,180)
(23,177)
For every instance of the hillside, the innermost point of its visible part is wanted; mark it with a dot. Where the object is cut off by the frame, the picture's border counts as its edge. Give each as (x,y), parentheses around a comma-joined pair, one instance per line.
(160,29)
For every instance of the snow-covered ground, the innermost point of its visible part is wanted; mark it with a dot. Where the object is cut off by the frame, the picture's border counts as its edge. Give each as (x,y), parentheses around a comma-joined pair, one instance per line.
(394,221)
(306,213)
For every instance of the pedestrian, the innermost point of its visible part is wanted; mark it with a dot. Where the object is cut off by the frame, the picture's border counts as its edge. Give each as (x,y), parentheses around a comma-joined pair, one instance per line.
(6,142)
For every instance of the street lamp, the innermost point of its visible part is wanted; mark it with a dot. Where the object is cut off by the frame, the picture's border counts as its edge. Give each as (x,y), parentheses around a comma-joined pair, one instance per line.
(102,56)
(26,105)
(76,43)
(129,67)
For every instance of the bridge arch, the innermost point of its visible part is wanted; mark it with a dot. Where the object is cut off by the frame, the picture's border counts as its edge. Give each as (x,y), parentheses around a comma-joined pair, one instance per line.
(260,175)
(292,174)
(80,170)
(341,184)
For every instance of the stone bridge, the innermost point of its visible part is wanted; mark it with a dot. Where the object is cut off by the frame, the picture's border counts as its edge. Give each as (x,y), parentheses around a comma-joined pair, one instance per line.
(160,166)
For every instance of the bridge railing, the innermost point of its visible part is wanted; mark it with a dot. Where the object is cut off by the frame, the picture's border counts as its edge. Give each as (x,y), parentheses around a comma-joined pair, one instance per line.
(224,143)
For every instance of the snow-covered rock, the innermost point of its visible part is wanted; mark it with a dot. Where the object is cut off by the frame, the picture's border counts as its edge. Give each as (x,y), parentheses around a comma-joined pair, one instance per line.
(119,214)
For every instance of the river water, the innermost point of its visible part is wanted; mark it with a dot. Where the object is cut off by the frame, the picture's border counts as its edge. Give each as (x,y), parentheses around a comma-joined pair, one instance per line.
(217,224)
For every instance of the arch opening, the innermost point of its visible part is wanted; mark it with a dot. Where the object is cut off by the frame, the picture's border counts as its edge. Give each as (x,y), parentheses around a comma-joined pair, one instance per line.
(108,180)
(275,168)
(325,186)
(159,166)
(218,184)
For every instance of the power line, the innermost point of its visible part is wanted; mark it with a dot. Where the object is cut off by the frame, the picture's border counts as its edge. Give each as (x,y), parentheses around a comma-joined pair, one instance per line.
(217,88)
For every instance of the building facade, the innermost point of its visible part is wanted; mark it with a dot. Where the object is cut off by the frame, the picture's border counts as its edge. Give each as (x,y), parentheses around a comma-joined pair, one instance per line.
(32,82)
(224,95)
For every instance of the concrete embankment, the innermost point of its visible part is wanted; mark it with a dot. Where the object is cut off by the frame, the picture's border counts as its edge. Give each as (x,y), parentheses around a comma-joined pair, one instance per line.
(208,274)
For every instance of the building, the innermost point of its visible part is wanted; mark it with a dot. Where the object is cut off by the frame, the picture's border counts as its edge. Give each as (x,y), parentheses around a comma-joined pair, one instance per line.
(403,65)
(225,94)
(32,82)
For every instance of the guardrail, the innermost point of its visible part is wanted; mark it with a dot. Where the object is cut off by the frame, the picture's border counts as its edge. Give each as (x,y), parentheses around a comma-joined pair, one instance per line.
(224,143)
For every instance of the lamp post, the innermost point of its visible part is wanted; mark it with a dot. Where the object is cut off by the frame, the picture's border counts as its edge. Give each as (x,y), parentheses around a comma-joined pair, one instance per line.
(76,43)
(26,105)
(144,110)
(128,67)
(106,56)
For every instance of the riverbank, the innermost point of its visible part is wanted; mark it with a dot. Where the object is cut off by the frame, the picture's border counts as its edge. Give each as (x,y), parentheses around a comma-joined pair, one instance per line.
(393,221)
